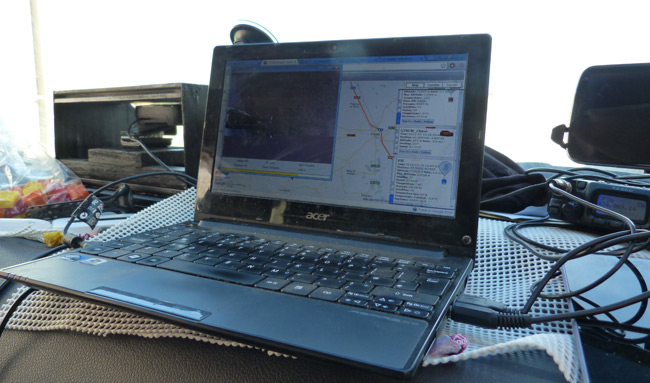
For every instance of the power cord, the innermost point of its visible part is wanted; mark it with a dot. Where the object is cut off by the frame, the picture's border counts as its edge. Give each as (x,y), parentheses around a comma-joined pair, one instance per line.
(13,308)
(189,180)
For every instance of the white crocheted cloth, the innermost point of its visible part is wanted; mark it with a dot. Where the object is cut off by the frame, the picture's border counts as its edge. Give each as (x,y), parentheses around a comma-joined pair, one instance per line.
(504,272)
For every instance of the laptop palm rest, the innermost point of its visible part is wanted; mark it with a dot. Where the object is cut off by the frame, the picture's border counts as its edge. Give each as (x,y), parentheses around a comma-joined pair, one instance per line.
(356,334)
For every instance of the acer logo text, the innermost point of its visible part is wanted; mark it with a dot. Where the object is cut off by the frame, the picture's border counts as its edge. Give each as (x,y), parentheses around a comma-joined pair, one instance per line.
(317,216)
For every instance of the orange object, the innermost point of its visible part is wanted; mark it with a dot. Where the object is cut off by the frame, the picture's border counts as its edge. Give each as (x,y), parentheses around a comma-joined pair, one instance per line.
(77,191)
(2,213)
(37,197)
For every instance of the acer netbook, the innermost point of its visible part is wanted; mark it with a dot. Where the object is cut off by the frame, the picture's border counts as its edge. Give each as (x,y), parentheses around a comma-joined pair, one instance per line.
(337,204)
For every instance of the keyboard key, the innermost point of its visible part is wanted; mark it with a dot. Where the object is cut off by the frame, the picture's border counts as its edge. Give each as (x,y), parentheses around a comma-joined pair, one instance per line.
(330,263)
(356,268)
(308,260)
(262,253)
(404,262)
(149,250)
(359,287)
(212,272)
(195,249)
(384,259)
(302,268)
(386,273)
(254,269)
(137,239)
(434,288)
(133,257)
(418,306)
(345,253)
(327,294)
(302,277)
(132,247)
(285,256)
(406,285)
(207,260)
(232,256)
(167,253)
(405,295)
(95,249)
(438,273)
(213,253)
(269,247)
(389,301)
(274,284)
(327,272)
(278,273)
(114,253)
(380,281)
(334,257)
(232,265)
(406,275)
(354,277)
(188,257)
(421,314)
(448,268)
(152,261)
(365,297)
(354,301)
(299,288)
(330,282)
(279,263)
(256,260)
(383,307)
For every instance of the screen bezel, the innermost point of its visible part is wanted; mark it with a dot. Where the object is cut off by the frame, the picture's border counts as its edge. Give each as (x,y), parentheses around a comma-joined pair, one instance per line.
(459,232)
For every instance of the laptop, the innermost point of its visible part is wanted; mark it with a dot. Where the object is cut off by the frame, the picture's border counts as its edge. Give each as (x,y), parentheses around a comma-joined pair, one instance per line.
(337,204)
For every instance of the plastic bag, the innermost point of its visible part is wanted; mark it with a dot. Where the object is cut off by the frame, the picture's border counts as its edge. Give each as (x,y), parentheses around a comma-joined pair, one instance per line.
(30,177)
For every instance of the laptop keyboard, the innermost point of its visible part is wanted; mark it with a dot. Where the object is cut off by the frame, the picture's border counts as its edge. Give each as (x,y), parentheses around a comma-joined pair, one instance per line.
(375,282)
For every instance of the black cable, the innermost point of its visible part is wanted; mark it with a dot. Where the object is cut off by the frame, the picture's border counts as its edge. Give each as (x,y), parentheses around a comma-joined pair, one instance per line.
(558,172)
(489,318)
(113,183)
(618,326)
(515,192)
(594,170)
(513,233)
(579,307)
(599,243)
(150,153)
(13,308)
(594,311)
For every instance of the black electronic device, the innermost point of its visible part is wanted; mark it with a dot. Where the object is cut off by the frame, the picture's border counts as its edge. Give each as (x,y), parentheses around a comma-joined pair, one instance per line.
(630,201)
(610,122)
(249,32)
(351,174)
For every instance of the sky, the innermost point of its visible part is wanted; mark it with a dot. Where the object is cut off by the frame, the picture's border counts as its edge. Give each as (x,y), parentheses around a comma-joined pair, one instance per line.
(539,49)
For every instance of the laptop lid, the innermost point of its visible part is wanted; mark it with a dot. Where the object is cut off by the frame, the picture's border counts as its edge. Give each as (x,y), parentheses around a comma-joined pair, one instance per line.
(378,138)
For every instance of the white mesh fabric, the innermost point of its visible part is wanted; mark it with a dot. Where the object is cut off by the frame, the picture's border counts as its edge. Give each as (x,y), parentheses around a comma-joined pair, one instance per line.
(504,271)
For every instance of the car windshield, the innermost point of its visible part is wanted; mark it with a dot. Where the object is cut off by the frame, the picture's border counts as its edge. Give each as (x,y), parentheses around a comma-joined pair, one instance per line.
(539,50)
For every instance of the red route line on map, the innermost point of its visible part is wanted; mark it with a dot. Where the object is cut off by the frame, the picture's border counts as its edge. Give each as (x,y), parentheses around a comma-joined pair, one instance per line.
(381,133)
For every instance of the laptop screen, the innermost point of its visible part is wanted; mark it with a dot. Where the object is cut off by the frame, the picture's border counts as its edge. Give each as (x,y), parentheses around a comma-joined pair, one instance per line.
(379,138)
(368,132)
